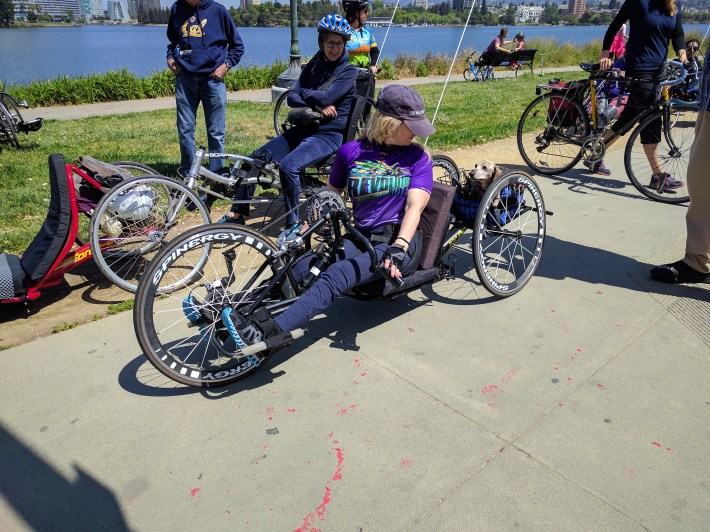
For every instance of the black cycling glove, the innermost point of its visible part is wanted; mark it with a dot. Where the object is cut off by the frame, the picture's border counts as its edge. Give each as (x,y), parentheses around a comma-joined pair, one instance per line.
(395,253)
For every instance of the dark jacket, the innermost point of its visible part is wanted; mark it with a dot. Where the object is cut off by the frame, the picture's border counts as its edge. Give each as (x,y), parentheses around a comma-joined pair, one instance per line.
(209,44)
(307,92)
(650,31)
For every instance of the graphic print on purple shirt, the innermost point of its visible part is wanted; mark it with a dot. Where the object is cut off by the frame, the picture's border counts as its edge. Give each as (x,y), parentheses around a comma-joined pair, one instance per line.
(378,183)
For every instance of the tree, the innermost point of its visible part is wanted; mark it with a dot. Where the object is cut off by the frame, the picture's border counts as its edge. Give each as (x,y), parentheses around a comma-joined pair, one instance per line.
(7,12)
(69,16)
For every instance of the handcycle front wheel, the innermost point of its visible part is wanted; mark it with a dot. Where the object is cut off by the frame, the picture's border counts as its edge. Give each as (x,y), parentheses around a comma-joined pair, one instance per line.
(183,333)
(550,133)
(135,219)
(677,136)
(509,233)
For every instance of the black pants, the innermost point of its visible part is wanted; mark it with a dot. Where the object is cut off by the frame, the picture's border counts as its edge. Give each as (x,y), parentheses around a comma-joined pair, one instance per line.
(642,95)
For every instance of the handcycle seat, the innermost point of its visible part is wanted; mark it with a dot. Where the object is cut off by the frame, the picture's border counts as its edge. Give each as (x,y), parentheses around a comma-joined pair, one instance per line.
(19,273)
(26,126)
(433,224)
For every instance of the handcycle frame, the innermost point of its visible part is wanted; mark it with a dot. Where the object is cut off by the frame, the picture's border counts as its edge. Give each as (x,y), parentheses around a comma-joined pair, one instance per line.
(58,233)
(587,130)
(223,266)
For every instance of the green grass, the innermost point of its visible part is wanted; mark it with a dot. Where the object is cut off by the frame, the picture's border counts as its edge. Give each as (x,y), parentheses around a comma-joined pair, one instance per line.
(470,114)
(64,327)
(120,307)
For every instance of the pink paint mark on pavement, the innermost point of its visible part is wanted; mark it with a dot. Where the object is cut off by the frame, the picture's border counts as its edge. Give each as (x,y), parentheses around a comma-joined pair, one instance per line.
(357,362)
(509,375)
(600,385)
(363,373)
(655,443)
(553,310)
(491,393)
(194,491)
(321,509)
(292,410)
(406,463)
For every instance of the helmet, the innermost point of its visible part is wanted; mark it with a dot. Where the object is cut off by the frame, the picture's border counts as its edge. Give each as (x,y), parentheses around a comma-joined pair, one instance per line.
(134,205)
(520,36)
(354,5)
(335,24)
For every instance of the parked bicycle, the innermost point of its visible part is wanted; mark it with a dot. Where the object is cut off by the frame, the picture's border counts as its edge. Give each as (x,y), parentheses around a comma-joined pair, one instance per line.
(475,71)
(557,130)
(11,121)
(208,269)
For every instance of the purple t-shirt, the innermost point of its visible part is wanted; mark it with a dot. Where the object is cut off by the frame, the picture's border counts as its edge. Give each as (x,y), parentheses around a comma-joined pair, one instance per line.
(378,185)
(492,47)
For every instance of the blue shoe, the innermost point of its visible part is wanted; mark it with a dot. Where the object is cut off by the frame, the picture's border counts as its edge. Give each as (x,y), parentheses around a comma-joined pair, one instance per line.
(226,219)
(291,232)
(242,331)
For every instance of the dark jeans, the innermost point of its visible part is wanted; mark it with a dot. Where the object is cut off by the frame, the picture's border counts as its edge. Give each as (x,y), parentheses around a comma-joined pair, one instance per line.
(351,271)
(190,91)
(294,150)
(642,94)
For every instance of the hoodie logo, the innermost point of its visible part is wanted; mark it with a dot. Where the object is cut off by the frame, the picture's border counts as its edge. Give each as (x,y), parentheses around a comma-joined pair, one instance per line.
(191,28)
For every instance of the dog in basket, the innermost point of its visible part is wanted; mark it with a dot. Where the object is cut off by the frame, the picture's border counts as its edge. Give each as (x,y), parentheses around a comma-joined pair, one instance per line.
(475,183)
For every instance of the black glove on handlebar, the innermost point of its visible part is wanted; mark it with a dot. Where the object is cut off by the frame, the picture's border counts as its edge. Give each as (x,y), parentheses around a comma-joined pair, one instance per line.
(395,253)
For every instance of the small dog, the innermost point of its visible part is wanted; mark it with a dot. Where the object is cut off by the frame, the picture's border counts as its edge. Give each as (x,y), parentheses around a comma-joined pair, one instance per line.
(480,178)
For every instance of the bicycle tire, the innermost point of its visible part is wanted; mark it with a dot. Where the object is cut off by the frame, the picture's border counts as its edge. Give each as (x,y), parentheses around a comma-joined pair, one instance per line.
(445,170)
(281,109)
(674,155)
(468,75)
(123,240)
(183,335)
(509,233)
(7,122)
(136,169)
(549,144)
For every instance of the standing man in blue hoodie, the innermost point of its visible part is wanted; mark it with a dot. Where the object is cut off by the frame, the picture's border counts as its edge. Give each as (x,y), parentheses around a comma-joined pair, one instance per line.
(204,45)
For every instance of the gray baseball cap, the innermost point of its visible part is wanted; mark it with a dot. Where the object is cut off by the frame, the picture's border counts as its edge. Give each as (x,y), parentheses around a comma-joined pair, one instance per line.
(404,103)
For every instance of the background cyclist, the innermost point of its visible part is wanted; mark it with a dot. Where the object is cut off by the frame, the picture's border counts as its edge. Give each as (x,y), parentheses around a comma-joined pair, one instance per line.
(362,48)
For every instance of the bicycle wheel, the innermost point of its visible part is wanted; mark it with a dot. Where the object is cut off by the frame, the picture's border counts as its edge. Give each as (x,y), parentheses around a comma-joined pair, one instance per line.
(182,334)
(8,126)
(136,169)
(281,110)
(550,133)
(468,75)
(677,136)
(445,170)
(509,233)
(132,222)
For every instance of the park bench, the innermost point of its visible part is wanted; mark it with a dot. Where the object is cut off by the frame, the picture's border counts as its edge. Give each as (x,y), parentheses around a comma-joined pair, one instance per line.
(522,57)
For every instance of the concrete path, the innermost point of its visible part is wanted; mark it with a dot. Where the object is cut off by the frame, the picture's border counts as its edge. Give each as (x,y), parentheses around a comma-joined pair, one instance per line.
(581,403)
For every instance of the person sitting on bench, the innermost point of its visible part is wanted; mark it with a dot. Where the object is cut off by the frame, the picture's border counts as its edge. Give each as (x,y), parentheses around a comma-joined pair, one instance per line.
(389,178)
(497,45)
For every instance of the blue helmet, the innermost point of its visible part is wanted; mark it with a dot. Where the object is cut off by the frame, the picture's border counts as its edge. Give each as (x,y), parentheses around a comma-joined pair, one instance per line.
(335,24)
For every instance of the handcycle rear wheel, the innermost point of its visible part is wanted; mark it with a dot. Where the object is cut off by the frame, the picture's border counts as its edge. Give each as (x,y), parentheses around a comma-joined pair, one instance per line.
(9,117)
(445,169)
(182,333)
(677,136)
(549,140)
(281,109)
(509,233)
(134,220)
(136,169)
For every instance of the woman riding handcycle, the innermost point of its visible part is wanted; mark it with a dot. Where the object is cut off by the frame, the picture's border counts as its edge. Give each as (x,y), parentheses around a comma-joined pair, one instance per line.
(238,298)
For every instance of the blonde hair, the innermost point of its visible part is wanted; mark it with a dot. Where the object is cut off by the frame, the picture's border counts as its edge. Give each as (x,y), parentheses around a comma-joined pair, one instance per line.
(381,128)
(671,7)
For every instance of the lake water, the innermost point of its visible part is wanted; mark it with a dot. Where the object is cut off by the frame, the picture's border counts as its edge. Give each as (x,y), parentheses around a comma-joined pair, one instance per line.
(28,54)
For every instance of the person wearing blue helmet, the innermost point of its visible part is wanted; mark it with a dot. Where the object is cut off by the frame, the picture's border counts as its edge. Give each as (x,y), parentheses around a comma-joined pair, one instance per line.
(327,85)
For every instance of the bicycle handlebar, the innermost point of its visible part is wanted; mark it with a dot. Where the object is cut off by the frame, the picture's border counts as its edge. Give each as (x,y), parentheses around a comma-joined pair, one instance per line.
(596,73)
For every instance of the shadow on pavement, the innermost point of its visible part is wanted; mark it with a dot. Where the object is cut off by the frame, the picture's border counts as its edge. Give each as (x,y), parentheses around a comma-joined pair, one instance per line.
(46,500)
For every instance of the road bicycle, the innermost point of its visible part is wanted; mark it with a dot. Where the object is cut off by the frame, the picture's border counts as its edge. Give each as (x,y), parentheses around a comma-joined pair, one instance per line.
(210,269)
(475,70)
(565,124)
(11,121)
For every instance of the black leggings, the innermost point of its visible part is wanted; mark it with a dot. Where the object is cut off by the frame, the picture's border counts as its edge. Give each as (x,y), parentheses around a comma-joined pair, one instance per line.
(642,95)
